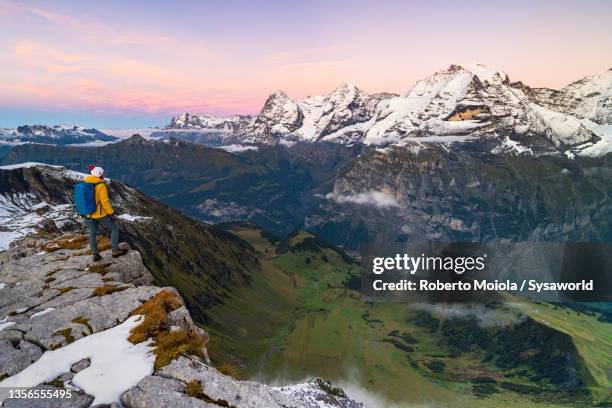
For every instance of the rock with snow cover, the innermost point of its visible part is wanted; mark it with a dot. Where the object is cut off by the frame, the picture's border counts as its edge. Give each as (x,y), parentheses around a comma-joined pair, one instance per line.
(56,135)
(67,321)
(189,383)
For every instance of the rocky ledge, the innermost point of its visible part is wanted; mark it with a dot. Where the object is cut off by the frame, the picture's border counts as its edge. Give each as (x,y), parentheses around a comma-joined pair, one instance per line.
(107,334)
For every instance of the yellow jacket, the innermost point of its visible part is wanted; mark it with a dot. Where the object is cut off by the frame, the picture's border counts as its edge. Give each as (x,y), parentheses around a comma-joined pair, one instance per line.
(103,207)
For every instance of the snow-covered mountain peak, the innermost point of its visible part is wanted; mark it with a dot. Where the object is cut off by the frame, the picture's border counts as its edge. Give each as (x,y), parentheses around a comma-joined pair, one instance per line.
(462,100)
(56,134)
(279,104)
(344,88)
(279,115)
(482,71)
(278,94)
(344,94)
(589,98)
(191,120)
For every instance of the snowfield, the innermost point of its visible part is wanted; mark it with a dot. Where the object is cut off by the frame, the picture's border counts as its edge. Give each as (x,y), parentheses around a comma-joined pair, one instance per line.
(116,364)
(133,218)
(18,216)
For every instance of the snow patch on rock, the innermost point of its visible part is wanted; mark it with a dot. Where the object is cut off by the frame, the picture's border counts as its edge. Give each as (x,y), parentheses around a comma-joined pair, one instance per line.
(116,364)
(42,312)
(133,218)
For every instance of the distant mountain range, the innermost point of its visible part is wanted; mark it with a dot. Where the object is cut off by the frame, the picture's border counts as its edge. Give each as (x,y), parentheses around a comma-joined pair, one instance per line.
(351,195)
(460,102)
(457,104)
(57,135)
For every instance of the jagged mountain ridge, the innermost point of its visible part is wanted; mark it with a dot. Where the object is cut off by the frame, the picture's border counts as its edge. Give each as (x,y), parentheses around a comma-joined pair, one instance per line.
(589,98)
(467,100)
(57,135)
(270,186)
(465,194)
(191,120)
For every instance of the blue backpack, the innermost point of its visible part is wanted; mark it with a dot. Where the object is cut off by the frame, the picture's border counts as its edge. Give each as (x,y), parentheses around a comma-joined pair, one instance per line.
(84,198)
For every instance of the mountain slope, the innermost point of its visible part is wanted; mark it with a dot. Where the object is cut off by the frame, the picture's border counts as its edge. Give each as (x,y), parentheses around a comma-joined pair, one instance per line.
(55,135)
(589,98)
(202,262)
(352,195)
(190,120)
(87,334)
(303,315)
(466,194)
(270,186)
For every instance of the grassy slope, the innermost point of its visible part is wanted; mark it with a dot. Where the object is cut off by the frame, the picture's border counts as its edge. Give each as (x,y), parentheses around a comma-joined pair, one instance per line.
(593,339)
(296,321)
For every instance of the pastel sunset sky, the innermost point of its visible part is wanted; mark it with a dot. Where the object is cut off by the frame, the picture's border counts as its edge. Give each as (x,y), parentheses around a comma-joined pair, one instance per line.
(119,63)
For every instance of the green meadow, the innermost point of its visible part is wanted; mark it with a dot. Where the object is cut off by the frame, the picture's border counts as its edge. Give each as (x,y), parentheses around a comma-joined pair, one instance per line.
(302,316)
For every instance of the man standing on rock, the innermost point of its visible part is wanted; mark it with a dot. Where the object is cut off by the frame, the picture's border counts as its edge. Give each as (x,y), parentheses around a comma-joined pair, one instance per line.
(103,215)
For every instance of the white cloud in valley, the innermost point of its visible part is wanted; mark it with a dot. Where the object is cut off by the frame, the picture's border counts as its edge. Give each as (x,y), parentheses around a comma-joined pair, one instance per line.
(374,198)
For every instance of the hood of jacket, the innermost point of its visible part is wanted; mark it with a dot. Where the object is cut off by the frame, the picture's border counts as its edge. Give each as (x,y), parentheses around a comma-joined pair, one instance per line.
(94,179)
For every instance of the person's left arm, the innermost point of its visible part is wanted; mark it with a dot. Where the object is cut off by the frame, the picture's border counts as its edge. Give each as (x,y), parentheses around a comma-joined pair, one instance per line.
(104,200)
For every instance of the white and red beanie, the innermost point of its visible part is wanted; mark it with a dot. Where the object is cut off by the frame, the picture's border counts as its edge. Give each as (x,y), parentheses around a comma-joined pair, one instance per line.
(96,171)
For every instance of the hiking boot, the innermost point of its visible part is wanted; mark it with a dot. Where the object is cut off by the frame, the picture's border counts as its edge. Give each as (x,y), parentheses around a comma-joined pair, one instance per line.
(119,252)
(97,257)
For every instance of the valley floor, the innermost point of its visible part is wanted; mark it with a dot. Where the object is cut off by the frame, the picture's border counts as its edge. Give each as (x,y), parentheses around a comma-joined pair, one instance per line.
(301,317)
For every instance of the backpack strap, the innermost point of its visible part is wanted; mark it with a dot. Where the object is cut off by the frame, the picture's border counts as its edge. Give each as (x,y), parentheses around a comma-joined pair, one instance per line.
(99,203)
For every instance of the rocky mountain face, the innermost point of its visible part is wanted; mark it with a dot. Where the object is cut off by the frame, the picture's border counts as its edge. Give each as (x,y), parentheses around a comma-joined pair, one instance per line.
(103,333)
(458,103)
(470,99)
(206,121)
(56,135)
(589,98)
(201,260)
(473,190)
(271,186)
(466,194)
(317,118)
(203,128)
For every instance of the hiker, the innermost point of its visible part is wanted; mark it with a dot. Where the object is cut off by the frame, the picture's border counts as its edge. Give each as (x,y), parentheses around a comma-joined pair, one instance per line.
(103,214)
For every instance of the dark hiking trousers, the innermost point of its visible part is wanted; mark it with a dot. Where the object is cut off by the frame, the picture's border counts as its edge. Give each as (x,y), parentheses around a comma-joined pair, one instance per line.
(93,232)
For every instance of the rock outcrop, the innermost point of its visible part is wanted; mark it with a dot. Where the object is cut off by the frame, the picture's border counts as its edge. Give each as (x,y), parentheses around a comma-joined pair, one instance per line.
(54,298)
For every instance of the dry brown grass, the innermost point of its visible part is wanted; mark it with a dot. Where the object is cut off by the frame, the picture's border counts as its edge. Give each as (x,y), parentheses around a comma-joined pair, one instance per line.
(168,344)
(49,279)
(66,289)
(172,344)
(66,333)
(66,242)
(56,382)
(99,268)
(228,369)
(155,312)
(107,290)
(53,272)
(194,389)
(84,321)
